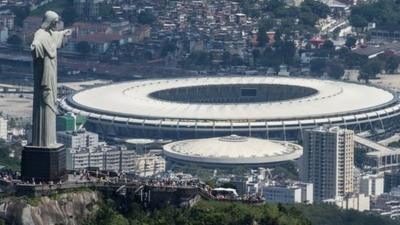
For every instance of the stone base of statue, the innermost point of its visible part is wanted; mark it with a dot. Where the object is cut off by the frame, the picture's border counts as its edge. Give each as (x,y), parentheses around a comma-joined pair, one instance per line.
(43,164)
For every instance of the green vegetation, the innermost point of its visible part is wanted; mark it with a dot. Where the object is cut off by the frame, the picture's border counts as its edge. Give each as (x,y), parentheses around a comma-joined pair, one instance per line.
(370,69)
(329,215)
(5,159)
(202,173)
(351,42)
(292,19)
(385,13)
(204,213)
(60,195)
(223,213)
(395,144)
(199,58)
(83,47)
(287,171)
(146,17)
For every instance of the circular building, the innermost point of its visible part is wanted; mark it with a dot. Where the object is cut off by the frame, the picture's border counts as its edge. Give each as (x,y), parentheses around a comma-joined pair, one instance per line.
(232,151)
(254,106)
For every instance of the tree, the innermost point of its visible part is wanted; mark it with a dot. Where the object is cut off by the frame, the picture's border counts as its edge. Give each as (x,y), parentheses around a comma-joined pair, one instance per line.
(201,58)
(392,63)
(335,70)
(317,66)
(106,11)
(167,47)
(385,13)
(288,51)
(272,5)
(146,17)
(267,24)
(327,48)
(83,47)
(318,8)
(256,54)
(358,21)
(226,58)
(350,42)
(370,70)
(236,60)
(262,37)
(355,60)
(270,58)
(328,45)
(308,18)
(14,41)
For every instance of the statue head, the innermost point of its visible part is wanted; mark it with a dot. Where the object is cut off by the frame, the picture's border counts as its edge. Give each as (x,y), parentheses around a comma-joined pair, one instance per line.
(50,20)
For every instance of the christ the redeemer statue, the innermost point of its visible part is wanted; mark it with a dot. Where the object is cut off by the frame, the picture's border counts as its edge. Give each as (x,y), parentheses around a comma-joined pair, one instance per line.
(44,52)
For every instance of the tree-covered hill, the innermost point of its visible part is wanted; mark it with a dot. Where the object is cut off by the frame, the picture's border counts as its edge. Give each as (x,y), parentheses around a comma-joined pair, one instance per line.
(223,213)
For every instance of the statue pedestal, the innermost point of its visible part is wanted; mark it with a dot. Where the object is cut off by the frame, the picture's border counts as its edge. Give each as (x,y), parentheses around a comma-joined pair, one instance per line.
(43,164)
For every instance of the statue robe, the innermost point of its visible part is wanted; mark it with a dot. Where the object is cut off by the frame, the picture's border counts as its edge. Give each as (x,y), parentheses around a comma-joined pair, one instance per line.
(44,54)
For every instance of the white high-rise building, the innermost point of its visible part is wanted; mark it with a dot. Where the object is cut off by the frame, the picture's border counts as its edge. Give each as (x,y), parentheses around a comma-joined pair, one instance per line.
(293,193)
(115,158)
(78,139)
(328,161)
(3,128)
(282,194)
(372,184)
(149,165)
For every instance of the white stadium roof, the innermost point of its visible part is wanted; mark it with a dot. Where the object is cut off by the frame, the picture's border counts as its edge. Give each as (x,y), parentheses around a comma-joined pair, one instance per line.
(233,150)
(131,99)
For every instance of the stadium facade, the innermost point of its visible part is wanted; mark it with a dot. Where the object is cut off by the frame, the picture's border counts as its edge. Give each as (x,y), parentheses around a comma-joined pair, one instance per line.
(256,106)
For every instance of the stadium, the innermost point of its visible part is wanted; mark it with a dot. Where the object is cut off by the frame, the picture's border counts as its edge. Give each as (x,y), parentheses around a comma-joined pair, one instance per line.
(255,106)
(231,151)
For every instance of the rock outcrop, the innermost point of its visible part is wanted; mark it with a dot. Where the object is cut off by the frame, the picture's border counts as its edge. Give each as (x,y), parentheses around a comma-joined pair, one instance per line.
(65,209)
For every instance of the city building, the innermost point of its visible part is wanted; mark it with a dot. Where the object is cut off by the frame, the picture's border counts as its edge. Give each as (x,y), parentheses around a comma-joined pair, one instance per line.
(328,161)
(8,20)
(78,139)
(282,194)
(65,123)
(4,34)
(117,159)
(148,165)
(3,128)
(372,184)
(359,202)
(89,9)
(387,204)
(293,193)
(70,122)
(392,180)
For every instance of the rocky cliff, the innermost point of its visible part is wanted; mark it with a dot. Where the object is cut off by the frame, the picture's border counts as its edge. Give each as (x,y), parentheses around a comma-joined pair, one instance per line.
(65,209)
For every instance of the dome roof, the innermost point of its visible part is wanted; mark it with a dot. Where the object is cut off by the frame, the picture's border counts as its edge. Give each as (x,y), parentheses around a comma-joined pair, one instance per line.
(233,149)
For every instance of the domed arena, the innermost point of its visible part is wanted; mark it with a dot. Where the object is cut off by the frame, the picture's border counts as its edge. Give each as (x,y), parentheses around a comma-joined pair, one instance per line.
(231,151)
(253,106)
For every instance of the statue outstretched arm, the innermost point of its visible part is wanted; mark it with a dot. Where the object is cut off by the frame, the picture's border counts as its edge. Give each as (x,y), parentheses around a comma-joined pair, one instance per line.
(59,36)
